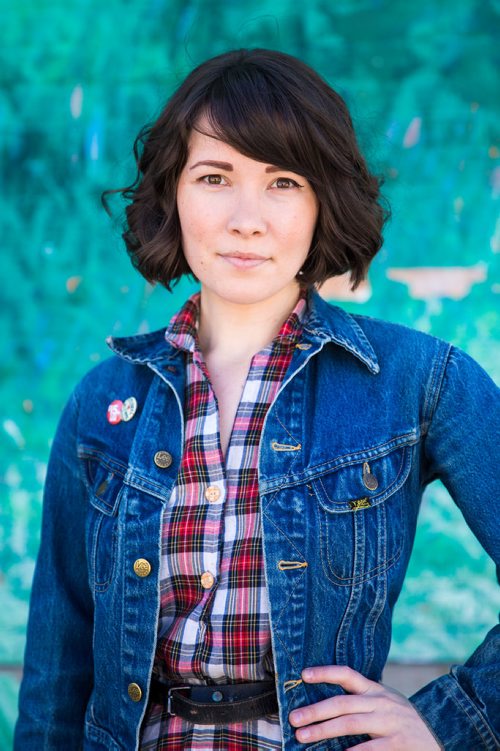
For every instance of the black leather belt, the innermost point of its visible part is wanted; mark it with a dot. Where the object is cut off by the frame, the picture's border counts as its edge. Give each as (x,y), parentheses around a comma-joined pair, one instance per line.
(217,705)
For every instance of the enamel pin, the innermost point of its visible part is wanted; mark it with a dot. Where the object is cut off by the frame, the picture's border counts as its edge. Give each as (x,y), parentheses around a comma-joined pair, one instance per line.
(114,413)
(129,408)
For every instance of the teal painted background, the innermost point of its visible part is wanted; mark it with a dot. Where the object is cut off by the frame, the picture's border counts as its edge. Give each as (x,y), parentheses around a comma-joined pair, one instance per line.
(78,80)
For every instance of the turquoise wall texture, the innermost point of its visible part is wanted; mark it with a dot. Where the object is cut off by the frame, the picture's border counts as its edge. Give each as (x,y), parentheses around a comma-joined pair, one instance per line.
(78,80)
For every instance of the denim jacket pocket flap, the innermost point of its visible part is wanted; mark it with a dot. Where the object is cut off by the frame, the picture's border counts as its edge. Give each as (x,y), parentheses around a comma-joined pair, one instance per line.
(104,480)
(364,483)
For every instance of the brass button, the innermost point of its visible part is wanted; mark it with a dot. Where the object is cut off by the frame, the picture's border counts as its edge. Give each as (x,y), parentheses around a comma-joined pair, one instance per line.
(212,494)
(303,346)
(207,580)
(142,567)
(163,459)
(134,691)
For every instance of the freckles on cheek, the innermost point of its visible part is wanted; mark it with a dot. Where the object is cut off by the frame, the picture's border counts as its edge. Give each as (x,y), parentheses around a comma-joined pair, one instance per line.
(194,226)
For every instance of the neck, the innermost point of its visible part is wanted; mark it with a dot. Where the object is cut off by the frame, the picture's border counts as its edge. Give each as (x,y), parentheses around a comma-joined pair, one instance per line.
(236,331)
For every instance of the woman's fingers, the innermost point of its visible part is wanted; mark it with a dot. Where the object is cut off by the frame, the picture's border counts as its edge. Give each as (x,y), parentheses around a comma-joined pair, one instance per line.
(369,708)
(330,708)
(364,723)
(349,679)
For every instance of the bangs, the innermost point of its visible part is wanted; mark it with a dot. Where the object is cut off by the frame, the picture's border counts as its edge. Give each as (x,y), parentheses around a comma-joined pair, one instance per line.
(252,114)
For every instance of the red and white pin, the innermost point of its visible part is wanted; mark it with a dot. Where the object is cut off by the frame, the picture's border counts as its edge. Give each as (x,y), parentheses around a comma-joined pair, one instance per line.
(118,410)
(114,413)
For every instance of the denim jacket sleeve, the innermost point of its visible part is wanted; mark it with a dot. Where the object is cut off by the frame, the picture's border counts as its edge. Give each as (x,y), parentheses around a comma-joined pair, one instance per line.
(463,707)
(58,672)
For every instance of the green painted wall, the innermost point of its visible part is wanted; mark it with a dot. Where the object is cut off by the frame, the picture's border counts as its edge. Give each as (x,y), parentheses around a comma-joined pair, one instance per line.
(78,80)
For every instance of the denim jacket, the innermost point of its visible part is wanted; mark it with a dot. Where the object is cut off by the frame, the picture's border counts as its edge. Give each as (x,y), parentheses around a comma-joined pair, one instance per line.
(369,413)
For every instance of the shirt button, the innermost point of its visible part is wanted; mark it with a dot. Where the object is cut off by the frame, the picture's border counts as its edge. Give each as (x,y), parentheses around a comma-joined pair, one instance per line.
(142,567)
(212,493)
(207,580)
(134,691)
(163,459)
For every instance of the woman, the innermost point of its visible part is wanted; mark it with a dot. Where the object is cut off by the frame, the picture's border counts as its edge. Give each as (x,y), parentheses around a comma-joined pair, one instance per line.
(231,502)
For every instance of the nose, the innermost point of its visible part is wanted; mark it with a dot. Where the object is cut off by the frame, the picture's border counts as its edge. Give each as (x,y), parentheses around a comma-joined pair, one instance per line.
(246,217)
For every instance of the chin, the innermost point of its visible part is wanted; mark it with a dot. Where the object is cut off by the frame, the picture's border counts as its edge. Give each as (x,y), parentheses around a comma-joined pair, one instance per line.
(247,297)
(250,293)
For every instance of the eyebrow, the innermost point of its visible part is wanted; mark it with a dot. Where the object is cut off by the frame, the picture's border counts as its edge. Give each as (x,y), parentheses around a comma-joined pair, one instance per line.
(228,167)
(210,163)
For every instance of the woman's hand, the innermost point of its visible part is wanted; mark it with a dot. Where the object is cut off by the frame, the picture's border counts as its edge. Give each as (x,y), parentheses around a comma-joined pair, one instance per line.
(368,709)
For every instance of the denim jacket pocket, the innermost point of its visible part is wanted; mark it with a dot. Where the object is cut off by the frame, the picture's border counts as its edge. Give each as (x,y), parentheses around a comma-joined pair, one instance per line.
(104,480)
(97,739)
(360,514)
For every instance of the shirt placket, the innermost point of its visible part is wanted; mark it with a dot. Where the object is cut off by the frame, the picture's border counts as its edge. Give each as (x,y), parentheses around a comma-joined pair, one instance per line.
(212,491)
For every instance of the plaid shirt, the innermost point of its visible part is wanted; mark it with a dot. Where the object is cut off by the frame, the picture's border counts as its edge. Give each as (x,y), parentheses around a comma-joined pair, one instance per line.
(214,622)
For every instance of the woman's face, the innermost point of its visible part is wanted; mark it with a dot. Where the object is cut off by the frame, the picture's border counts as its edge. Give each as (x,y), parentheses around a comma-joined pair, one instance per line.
(246,226)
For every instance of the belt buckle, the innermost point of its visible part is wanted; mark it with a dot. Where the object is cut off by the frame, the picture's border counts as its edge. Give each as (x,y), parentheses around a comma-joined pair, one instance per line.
(169,697)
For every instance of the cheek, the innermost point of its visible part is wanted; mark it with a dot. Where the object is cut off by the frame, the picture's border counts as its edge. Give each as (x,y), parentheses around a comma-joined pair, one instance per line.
(196,222)
(299,228)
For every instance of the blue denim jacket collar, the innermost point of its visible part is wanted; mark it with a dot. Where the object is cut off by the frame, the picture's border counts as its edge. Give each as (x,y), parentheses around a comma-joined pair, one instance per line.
(325,323)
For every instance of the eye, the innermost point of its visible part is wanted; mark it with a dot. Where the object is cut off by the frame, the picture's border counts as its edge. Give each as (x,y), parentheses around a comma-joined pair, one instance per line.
(212,179)
(285,183)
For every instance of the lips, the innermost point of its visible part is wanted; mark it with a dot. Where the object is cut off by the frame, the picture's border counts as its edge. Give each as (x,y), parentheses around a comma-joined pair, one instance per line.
(243,260)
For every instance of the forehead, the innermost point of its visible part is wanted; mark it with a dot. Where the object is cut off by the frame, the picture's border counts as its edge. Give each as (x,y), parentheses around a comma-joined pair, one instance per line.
(203,138)
(204,144)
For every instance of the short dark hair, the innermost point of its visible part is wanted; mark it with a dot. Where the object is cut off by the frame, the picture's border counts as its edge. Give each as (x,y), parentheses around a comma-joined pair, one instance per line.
(274,108)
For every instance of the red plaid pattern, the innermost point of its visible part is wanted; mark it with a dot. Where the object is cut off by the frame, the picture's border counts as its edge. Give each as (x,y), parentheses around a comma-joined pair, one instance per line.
(214,622)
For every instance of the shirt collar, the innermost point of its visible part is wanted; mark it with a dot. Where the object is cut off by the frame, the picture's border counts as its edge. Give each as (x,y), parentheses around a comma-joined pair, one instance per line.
(322,322)
(182,331)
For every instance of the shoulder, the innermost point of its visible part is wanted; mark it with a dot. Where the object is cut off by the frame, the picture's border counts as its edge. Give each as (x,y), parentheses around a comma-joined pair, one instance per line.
(379,343)
(393,338)
(110,369)
(417,355)
(387,334)
(113,378)
(373,336)
(400,352)
(128,364)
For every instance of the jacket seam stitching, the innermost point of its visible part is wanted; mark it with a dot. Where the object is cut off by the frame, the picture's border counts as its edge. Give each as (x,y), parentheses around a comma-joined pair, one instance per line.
(437,380)
(474,716)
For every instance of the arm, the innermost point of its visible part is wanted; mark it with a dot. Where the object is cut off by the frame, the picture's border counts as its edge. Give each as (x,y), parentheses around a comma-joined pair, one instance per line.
(58,668)
(463,707)
(461,710)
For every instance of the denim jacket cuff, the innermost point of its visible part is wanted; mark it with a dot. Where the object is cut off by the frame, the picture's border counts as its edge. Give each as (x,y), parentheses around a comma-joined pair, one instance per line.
(451,716)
